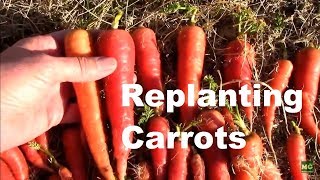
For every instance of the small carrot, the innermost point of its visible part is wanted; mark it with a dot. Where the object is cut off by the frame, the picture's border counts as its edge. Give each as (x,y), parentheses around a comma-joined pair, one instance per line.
(296,151)
(197,167)
(6,172)
(159,155)
(74,152)
(16,162)
(279,81)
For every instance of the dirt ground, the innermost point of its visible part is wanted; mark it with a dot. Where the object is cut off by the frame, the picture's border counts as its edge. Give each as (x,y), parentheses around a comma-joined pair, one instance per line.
(276,28)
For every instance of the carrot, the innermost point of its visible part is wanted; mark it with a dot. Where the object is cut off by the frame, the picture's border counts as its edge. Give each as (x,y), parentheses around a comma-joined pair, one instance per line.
(306,78)
(74,152)
(118,43)
(210,120)
(215,159)
(296,152)
(248,159)
(228,119)
(237,65)
(191,44)
(65,173)
(197,167)
(278,81)
(34,157)
(159,156)
(178,162)
(148,61)
(16,162)
(270,171)
(79,43)
(143,171)
(216,162)
(5,171)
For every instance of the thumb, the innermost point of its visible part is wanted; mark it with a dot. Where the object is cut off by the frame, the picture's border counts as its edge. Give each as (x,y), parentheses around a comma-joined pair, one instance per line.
(83,69)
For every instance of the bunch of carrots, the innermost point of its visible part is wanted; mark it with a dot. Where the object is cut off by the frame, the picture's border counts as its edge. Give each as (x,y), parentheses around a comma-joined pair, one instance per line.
(139,51)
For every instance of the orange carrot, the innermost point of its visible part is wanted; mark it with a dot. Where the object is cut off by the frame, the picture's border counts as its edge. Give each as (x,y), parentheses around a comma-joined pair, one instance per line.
(79,43)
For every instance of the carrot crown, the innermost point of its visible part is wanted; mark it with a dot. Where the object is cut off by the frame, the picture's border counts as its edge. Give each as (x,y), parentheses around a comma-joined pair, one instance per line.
(115,23)
(296,127)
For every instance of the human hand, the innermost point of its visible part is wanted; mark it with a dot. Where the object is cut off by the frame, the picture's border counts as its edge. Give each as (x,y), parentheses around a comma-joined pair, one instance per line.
(36,89)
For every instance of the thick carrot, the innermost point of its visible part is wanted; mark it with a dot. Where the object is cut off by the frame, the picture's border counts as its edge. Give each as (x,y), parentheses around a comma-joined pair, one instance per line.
(16,162)
(270,171)
(191,44)
(197,167)
(159,155)
(148,61)
(143,171)
(237,65)
(117,43)
(306,78)
(34,157)
(296,151)
(278,81)
(247,161)
(5,171)
(74,152)
(79,43)
(178,162)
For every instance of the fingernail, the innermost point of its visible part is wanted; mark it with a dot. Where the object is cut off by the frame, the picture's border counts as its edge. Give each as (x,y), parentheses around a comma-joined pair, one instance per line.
(106,64)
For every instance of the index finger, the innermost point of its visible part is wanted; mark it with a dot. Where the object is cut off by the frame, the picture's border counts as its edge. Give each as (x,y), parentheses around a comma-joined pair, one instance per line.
(51,44)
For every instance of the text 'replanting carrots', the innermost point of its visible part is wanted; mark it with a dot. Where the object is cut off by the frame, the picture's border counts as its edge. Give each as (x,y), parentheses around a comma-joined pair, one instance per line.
(78,43)
(16,162)
(74,152)
(279,81)
(191,44)
(159,155)
(306,78)
(117,43)
(237,65)
(148,61)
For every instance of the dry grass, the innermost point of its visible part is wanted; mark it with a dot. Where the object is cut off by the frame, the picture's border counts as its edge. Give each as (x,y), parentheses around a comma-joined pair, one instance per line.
(290,25)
